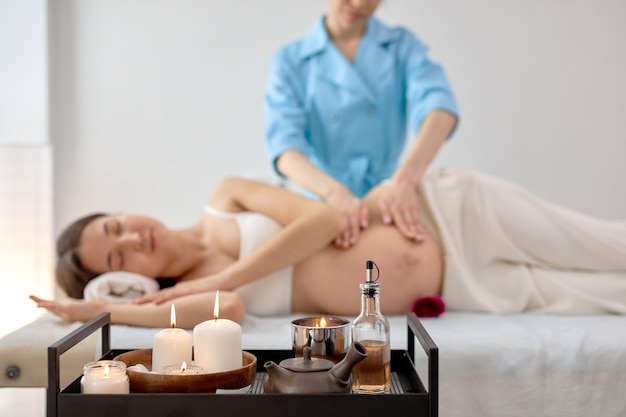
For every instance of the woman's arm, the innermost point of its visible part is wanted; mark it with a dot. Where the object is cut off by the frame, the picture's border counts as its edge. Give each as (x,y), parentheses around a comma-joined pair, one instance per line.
(191,310)
(297,167)
(308,226)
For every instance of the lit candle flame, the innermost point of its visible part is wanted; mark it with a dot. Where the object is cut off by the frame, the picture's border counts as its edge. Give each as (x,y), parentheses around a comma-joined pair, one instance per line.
(183,367)
(323,322)
(216,308)
(173,316)
(106,370)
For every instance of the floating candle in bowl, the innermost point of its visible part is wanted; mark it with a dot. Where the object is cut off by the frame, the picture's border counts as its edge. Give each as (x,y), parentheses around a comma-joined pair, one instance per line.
(183,369)
(217,343)
(171,346)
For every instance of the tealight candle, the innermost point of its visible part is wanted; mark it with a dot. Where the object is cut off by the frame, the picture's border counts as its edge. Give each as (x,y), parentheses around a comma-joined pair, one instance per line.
(171,346)
(183,369)
(217,343)
(105,377)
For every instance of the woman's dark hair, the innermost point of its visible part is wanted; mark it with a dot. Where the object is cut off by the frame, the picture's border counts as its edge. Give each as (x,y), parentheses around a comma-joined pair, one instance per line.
(71,275)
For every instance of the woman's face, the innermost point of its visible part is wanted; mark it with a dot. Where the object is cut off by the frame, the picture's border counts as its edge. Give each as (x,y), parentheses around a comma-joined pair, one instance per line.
(349,13)
(124,242)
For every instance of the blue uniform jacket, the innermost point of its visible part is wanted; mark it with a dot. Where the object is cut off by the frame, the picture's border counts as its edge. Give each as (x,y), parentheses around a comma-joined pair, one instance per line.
(350,119)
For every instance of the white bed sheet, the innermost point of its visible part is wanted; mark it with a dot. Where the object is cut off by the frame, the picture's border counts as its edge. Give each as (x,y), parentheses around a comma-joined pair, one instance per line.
(492,365)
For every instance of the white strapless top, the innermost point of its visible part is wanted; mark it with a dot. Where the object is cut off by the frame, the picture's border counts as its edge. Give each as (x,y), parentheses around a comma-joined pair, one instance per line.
(271,294)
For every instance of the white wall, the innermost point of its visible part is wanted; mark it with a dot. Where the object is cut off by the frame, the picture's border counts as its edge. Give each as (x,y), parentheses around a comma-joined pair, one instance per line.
(26,235)
(155,100)
(23,72)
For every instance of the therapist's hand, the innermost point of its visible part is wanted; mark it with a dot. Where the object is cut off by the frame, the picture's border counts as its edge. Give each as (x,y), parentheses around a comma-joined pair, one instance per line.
(353,209)
(399,205)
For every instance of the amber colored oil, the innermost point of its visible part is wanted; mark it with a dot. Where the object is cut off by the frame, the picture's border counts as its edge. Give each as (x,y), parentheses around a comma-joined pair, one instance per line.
(373,374)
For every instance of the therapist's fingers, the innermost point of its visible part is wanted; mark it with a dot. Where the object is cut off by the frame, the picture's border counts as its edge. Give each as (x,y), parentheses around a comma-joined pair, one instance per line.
(350,234)
(354,212)
(354,227)
(401,208)
(408,223)
(356,220)
(363,216)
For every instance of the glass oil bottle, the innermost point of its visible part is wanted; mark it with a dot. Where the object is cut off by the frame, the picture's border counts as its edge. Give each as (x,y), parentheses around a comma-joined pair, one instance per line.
(371,329)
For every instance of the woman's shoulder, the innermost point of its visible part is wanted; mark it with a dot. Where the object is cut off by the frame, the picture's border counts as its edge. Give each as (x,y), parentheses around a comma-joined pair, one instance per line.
(235,195)
(223,198)
(221,214)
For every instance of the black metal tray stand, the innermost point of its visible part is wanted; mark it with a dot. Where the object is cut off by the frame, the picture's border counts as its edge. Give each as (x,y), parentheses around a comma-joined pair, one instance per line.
(409,397)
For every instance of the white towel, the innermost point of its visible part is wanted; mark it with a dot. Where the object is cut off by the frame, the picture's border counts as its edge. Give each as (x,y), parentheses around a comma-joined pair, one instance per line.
(119,287)
(508,251)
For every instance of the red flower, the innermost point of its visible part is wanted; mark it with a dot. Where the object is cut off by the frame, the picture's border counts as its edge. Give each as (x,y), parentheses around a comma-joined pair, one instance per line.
(428,306)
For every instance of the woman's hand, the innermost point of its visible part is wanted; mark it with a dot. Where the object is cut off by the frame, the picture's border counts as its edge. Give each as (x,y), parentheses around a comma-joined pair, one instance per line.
(72,311)
(192,286)
(399,205)
(354,210)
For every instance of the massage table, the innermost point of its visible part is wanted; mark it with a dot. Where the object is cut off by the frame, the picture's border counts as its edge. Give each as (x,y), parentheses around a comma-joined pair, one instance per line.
(489,365)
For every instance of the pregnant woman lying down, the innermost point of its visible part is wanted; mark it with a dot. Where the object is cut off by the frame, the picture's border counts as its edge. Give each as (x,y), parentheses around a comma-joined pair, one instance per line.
(488,245)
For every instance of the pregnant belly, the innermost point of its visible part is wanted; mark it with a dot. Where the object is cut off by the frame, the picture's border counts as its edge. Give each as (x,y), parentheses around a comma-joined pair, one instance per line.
(329,281)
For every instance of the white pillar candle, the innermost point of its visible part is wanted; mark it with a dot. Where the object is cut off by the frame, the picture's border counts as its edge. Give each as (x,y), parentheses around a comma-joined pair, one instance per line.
(105,377)
(217,343)
(171,346)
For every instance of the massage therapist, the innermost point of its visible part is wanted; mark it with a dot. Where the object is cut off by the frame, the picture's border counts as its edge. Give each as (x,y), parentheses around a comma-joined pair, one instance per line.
(337,105)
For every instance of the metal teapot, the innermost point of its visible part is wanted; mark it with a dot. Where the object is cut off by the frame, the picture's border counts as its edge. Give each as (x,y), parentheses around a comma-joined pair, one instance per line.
(312,375)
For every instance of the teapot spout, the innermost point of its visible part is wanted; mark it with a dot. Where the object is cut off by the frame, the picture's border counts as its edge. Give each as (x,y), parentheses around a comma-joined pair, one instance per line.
(342,370)
(276,376)
(275,370)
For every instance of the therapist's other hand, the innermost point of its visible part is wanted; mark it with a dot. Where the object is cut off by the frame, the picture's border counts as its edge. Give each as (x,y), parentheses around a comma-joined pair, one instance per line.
(353,209)
(399,205)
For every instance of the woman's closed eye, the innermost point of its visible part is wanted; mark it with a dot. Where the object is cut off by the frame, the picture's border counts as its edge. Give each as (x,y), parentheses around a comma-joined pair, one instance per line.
(116,227)
(115,260)
(112,227)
